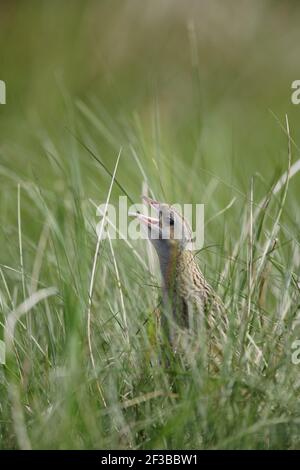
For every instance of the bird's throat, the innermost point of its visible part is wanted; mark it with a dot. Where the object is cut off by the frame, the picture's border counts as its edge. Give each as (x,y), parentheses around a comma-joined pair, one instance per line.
(177,268)
(168,268)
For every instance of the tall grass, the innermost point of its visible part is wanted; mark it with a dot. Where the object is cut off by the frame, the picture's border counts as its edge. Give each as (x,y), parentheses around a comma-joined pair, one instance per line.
(82,367)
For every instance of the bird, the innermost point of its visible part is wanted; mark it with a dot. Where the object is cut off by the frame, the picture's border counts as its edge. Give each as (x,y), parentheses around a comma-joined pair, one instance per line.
(189,302)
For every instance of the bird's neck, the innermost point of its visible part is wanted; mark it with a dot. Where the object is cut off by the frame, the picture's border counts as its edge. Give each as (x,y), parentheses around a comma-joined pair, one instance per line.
(168,261)
(173,263)
(177,270)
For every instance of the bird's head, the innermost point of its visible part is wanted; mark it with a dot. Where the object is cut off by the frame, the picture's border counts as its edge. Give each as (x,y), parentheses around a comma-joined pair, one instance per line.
(166,227)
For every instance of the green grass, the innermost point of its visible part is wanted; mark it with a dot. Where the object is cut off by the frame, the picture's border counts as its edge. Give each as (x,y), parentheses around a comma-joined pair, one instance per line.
(197,104)
(53,396)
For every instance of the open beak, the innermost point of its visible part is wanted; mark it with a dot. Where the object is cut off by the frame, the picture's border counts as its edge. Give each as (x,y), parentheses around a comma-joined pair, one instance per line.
(145,219)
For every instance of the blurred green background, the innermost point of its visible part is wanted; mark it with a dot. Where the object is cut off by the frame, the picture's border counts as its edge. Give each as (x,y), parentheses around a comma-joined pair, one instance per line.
(212,70)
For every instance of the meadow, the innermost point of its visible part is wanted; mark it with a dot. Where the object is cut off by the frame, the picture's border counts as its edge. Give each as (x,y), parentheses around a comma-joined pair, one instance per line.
(195,100)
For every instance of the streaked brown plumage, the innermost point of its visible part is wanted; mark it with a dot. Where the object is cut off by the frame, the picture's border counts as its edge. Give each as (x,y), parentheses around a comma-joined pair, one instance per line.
(189,301)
